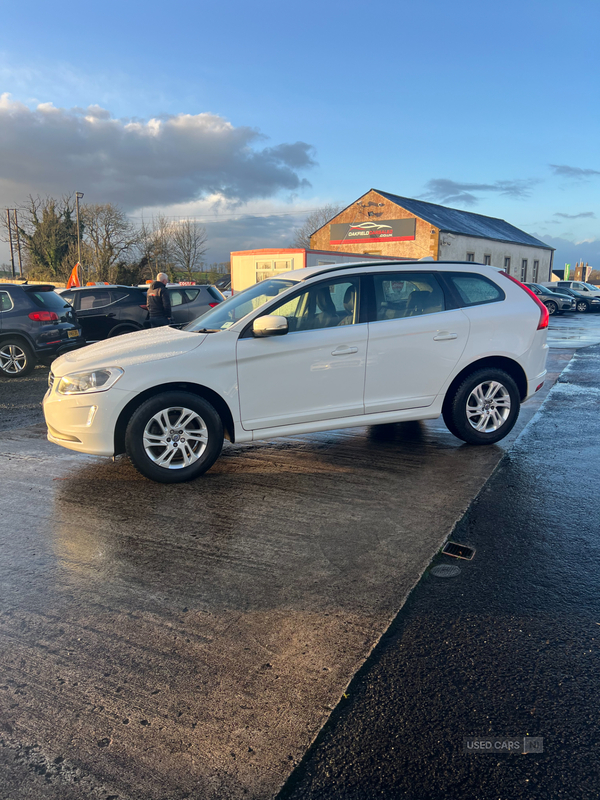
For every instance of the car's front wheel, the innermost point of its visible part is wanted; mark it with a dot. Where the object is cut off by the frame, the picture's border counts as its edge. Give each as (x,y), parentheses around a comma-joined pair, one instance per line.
(483,408)
(552,307)
(174,437)
(582,306)
(16,358)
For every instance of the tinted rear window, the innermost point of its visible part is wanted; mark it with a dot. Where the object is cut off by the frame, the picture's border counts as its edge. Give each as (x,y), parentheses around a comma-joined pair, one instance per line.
(49,300)
(475,290)
(215,293)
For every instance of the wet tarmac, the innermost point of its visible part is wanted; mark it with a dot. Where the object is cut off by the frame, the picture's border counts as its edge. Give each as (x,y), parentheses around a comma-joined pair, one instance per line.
(192,640)
(508,648)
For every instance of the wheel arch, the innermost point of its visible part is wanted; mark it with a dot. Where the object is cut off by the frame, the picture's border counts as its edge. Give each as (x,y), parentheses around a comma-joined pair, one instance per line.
(513,368)
(210,395)
(22,337)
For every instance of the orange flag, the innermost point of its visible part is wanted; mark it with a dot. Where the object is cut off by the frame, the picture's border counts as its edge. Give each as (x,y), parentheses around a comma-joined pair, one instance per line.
(74,277)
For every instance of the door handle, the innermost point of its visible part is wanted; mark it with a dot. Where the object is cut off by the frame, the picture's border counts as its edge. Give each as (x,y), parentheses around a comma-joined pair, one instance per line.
(442,336)
(111,315)
(344,351)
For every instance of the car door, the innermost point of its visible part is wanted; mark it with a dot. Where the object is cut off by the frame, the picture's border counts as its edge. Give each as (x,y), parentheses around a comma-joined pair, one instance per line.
(415,341)
(94,312)
(314,372)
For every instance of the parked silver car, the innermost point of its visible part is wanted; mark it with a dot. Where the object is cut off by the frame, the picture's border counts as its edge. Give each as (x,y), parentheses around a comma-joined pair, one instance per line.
(554,302)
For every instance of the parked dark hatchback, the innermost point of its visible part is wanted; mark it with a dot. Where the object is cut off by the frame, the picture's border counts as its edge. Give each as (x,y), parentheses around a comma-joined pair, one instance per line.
(36,325)
(555,302)
(583,302)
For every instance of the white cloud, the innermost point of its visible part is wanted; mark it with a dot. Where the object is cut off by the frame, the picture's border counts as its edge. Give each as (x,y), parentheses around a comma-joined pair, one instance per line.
(140,163)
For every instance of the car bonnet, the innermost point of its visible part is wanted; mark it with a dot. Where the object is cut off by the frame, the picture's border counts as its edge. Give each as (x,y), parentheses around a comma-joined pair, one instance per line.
(130,349)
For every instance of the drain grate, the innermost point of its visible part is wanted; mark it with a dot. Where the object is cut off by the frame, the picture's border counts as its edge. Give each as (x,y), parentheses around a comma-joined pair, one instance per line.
(458,550)
(445,571)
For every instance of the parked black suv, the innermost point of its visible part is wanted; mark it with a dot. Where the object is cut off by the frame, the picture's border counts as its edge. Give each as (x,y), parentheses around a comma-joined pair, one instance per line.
(36,324)
(104,311)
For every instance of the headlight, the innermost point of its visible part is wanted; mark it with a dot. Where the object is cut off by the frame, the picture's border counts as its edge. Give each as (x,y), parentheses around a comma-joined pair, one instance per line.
(86,382)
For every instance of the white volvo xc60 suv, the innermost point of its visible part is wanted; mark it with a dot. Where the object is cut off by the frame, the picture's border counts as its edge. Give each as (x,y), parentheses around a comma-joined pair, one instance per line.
(309,350)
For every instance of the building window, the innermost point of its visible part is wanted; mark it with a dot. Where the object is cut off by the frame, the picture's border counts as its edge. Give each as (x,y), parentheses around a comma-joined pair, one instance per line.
(487,260)
(536,269)
(507,264)
(270,268)
(470,256)
(524,269)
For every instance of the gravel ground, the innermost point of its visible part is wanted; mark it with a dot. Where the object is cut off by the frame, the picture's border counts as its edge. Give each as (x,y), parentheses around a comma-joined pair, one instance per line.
(21,399)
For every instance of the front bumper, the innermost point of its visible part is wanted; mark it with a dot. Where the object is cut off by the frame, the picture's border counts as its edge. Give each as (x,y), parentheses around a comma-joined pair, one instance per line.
(85,423)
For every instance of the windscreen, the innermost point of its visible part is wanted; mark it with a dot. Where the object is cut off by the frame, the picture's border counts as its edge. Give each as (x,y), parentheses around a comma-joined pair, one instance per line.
(51,301)
(235,308)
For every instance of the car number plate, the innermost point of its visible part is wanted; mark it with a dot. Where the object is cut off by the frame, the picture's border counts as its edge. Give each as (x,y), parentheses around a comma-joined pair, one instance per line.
(72,334)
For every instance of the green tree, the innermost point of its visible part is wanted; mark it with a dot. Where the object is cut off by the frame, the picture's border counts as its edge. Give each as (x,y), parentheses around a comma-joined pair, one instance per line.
(49,234)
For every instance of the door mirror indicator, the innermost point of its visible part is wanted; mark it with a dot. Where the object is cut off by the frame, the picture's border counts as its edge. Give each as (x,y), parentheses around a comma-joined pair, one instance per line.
(270,325)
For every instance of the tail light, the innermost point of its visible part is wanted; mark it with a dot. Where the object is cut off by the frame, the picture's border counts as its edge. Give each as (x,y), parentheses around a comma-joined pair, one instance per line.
(544,315)
(44,316)
(144,307)
(212,305)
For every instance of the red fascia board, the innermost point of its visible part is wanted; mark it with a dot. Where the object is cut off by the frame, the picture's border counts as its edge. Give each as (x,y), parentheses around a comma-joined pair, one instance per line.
(268,251)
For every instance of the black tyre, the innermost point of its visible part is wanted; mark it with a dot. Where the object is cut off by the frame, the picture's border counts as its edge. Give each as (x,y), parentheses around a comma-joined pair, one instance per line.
(174,437)
(484,407)
(582,306)
(123,329)
(16,358)
(552,307)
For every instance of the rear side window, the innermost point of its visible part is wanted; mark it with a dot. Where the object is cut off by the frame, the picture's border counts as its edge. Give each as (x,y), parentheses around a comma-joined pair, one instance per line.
(191,294)
(215,293)
(407,294)
(46,300)
(118,294)
(475,290)
(6,302)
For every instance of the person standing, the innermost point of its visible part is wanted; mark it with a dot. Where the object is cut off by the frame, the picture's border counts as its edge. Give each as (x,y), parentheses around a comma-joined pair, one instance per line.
(159,302)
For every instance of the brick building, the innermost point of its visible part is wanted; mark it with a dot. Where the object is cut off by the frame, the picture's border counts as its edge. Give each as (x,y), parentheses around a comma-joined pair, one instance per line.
(387,225)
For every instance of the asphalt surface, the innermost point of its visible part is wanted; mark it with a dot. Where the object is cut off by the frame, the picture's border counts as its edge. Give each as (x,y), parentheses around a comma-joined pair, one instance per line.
(192,641)
(507,648)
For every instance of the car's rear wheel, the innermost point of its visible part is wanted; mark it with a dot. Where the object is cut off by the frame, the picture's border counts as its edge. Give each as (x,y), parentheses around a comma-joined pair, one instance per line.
(484,407)
(16,358)
(552,307)
(174,437)
(582,306)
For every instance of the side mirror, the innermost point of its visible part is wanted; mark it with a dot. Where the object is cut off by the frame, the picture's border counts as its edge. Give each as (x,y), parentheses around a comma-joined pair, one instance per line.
(270,325)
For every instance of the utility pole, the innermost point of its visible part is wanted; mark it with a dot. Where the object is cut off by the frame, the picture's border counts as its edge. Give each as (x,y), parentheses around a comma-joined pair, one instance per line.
(18,244)
(12,255)
(78,196)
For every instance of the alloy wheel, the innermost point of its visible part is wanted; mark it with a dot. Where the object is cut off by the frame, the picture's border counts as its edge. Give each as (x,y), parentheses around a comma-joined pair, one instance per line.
(175,437)
(13,359)
(488,406)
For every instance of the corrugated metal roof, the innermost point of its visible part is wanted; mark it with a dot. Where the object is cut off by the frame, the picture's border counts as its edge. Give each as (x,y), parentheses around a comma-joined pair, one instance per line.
(453,220)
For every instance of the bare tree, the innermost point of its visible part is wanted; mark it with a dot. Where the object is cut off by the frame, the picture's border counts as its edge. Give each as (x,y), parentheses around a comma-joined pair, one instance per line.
(110,236)
(313,222)
(187,240)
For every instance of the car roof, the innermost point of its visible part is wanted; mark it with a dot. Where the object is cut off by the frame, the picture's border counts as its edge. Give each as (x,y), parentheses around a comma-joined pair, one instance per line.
(421,265)
(101,286)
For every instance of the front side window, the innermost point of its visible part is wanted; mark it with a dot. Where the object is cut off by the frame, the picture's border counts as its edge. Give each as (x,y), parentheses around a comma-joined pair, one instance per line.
(6,302)
(475,290)
(325,305)
(407,294)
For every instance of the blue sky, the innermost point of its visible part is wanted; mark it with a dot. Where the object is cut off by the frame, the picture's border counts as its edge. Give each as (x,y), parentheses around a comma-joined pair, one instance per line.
(264,111)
